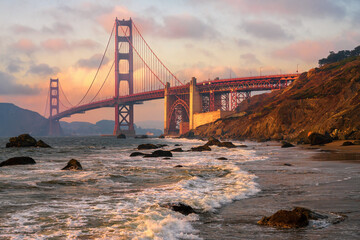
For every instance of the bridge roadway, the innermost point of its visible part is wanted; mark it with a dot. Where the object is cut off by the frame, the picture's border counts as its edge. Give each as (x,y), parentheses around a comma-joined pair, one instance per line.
(259,83)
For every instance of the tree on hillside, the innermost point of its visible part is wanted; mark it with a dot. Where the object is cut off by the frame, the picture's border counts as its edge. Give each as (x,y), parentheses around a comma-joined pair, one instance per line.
(341,55)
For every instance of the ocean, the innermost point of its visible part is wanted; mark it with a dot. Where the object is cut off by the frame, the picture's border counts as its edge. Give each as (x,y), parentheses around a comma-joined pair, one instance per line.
(117,196)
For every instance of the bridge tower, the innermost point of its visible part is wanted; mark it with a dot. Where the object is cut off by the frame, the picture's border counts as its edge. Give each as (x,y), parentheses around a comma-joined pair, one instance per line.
(54,128)
(124,114)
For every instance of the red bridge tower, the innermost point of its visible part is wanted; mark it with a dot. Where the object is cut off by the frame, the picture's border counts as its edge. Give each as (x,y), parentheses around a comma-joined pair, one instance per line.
(124,114)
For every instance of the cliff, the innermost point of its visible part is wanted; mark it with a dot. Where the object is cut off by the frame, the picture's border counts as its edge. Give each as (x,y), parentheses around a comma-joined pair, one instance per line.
(324,100)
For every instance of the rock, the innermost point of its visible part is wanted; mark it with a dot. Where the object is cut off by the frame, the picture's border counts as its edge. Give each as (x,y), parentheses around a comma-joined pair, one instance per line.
(177,145)
(166,158)
(356,142)
(121,136)
(286,145)
(298,217)
(212,141)
(178,166)
(222,158)
(190,135)
(23,140)
(161,145)
(177,150)
(227,144)
(347,144)
(73,164)
(162,136)
(287,164)
(147,146)
(142,136)
(243,146)
(201,148)
(42,144)
(159,153)
(318,139)
(135,154)
(181,208)
(18,161)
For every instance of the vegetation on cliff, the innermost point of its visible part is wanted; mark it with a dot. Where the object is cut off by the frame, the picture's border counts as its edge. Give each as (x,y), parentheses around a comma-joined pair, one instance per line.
(324,100)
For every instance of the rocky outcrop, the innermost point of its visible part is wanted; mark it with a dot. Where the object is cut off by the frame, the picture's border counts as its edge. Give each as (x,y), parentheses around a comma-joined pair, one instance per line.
(319,139)
(325,99)
(222,158)
(17,161)
(296,218)
(286,144)
(25,140)
(73,164)
(201,148)
(181,208)
(213,141)
(348,143)
(135,154)
(147,146)
(121,136)
(159,153)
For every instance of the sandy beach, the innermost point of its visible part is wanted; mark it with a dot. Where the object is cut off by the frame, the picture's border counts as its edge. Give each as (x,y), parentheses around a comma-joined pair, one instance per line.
(324,179)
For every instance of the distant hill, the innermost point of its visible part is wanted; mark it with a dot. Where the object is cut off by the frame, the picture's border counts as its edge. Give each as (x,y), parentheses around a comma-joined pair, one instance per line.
(325,99)
(15,121)
(100,128)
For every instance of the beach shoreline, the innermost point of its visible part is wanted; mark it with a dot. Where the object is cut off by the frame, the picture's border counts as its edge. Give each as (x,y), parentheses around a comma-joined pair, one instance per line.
(324,179)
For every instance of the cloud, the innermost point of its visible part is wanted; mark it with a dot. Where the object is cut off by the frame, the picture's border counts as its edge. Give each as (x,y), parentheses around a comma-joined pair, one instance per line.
(43,70)
(107,19)
(250,59)
(60,44)
(14,67)
(316,9)
(24,45)
(22,29)
(186,26)
(265,30)
(92,62)
(9,87)
(58,28)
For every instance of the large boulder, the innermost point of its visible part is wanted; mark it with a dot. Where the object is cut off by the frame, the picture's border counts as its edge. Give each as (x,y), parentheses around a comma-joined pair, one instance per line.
(159,153)
(212,141)
(319,139)
(147,146)
(227,145)
(177,150)
(73,164)
(135,154)
(286,144)
(17,161)
(23,140)
(296,218)
(201,148)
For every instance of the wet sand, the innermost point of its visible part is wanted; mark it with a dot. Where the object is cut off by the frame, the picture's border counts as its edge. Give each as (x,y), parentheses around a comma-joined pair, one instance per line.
(325,179)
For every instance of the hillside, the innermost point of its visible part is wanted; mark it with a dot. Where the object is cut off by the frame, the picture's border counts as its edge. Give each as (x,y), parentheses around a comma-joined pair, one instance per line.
(325,99)
(15,121)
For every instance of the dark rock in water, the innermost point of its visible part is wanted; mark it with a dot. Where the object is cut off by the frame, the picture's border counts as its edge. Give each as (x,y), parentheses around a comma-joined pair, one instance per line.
(287,164)
(318,139)
(181,208)
(142,136)
(73,164)
(347,143)
(212,141)
(356,142)
(190,135)
(222,158)
(161,145)
(177,150)
(159,153)
(286,145)
(166,158)
(298,217)
(18,161)
(177,145)
(23,140)
(201,148)
(243,146)
(42,144)
(147,146)
(121,136)
(162,136)
(135,154)
(178,166)
(227,144)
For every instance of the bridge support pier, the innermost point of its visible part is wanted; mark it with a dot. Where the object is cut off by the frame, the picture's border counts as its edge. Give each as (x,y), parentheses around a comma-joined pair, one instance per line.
(124,120)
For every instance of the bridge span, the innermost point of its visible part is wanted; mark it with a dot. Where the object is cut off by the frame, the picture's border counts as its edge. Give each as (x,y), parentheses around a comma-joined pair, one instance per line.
(181,101)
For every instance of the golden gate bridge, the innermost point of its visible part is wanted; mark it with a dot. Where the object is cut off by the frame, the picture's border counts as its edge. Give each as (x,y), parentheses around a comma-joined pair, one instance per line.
(141,76)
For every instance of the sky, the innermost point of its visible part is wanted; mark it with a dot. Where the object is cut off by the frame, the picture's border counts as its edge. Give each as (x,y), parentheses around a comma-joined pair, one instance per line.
(43,39)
